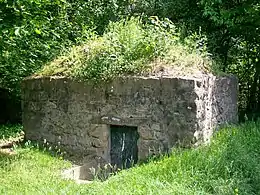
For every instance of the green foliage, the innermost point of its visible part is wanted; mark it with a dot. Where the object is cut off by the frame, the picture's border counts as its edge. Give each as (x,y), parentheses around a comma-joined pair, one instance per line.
(237,45)
(229,165)
(131,47)
(97,14)
(8,130)
(34,32)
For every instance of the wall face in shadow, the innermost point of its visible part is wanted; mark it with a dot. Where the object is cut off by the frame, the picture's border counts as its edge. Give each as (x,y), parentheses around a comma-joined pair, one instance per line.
(165,111)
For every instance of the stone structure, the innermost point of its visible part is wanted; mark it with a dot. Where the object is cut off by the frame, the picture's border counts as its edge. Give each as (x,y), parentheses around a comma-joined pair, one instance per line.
(130,117)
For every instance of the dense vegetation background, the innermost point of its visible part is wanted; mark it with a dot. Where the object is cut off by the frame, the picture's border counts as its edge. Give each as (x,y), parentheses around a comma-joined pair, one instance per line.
(33,32)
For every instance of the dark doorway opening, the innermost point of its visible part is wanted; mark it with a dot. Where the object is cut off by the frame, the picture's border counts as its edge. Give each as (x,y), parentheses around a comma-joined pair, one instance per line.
(124,151)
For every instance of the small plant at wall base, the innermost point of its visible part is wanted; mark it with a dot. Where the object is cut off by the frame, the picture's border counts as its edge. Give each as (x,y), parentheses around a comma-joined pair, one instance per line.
(9,131)
(102,173)
(131,47)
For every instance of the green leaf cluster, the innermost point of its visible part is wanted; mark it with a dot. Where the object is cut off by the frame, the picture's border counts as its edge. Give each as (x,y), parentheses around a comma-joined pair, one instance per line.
(131,47)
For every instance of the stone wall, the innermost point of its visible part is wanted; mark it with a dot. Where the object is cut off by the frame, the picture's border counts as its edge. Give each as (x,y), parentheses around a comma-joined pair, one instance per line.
(216,104)
(166,111)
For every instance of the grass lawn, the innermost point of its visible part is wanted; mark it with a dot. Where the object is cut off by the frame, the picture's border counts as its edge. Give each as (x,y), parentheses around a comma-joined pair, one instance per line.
(229,165)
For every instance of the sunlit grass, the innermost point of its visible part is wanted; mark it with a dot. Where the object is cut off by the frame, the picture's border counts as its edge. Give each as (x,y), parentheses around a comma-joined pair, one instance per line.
(229,165)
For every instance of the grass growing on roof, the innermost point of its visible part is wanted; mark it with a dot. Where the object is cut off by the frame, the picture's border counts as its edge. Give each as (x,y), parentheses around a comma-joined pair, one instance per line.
(229,165)
(132,47)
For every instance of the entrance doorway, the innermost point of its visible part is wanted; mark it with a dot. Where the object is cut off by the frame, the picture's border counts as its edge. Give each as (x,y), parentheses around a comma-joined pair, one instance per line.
(124,150)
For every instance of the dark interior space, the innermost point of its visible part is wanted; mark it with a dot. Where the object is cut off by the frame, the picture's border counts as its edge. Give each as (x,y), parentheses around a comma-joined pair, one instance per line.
(10,108)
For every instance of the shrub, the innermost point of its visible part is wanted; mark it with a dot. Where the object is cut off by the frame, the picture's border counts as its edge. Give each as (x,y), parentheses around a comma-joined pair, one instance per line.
(131,46)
